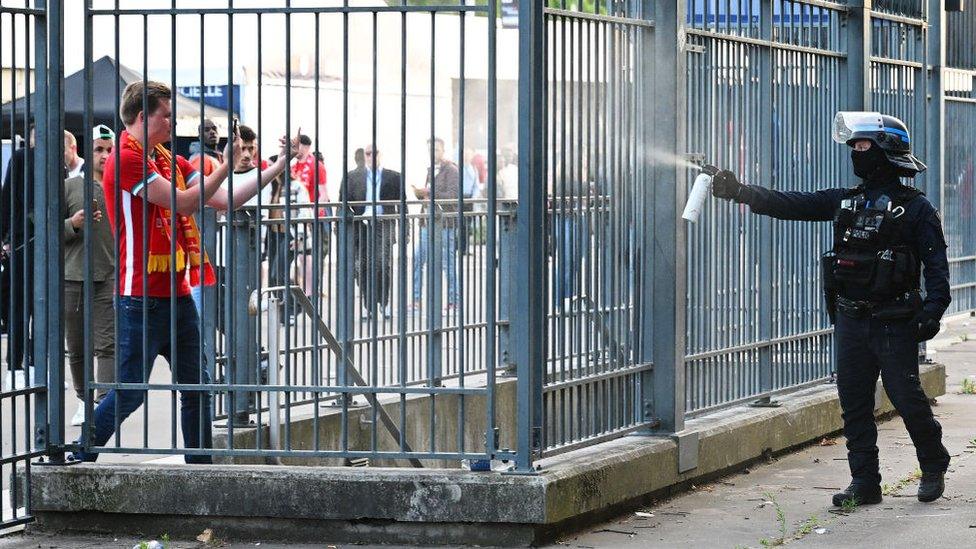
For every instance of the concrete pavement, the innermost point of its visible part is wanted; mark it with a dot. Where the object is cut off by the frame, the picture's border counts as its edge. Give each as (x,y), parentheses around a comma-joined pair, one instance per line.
(789,496)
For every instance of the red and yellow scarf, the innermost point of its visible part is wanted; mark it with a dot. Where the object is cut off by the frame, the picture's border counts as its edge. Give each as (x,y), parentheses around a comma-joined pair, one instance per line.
(187,236)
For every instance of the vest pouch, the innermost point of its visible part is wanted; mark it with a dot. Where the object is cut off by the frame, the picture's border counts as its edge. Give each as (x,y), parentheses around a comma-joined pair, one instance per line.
(884,283)
(827,277)
(855,268)
(887,230)
(906,271)
(904,306)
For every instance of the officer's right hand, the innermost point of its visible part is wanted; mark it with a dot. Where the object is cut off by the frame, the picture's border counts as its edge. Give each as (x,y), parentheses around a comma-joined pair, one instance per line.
(726,185)
(925,326)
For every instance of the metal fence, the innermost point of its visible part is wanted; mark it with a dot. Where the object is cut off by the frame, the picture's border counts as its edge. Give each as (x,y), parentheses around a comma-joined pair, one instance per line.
(759,80)
(389,354)
(960,157)
(564,304)
(594,144)
(379,295)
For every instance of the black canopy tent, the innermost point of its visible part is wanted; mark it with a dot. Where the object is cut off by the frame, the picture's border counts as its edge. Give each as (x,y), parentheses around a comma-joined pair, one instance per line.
(104,108)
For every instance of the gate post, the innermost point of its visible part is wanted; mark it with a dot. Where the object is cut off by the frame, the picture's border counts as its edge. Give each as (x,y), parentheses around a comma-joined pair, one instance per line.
(48,266)
(240,280)
(529,309)
(765,173)
(665,343)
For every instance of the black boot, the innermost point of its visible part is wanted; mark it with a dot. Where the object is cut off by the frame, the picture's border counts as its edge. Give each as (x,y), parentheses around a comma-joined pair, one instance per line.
(860,494)
(931,487)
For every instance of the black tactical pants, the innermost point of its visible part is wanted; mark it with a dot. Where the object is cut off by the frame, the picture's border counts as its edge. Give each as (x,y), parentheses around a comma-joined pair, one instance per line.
(865,348)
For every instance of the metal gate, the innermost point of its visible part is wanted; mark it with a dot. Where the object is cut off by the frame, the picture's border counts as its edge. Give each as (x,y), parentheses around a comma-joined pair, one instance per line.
(30,293)
(349,333)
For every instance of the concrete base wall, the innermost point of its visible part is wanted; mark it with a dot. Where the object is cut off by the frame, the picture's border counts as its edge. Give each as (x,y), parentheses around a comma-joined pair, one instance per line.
(398,505)
(328,429)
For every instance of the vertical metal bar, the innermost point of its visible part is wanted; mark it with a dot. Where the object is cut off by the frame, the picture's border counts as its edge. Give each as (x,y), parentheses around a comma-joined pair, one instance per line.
(935,60)
(402,301)
(317,265)
(345,284)
(492,306)
(274,396)
(241,255)
(273,325)
(858,69)
(173,223)
(87,285)
(48,199)
(435,230)
(461,236)
(117,151)
(530,251)
(765,146)
(669,259)
(147,360)
(289,299)
(371,288)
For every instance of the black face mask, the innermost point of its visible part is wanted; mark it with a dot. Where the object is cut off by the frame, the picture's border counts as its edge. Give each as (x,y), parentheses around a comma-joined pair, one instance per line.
(873,166)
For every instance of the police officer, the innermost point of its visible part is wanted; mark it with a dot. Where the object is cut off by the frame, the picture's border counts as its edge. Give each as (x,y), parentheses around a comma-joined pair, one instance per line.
(883,232)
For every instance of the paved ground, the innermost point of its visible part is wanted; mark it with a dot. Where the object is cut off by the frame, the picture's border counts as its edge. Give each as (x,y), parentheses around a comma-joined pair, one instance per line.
(788,497)
(742,510)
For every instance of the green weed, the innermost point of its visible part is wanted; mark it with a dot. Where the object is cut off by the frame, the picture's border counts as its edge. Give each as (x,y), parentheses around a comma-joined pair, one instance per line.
(806,527)
(968,387)
(780,519)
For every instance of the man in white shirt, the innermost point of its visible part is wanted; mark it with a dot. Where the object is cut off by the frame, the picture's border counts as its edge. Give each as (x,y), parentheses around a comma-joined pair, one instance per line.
(74,165)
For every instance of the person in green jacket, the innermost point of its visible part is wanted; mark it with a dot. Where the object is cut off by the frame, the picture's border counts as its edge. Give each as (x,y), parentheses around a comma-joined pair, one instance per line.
(102,323)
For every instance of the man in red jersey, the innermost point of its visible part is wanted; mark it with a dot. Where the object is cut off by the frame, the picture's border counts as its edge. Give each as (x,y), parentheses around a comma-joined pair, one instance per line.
(156,191)
(310,170)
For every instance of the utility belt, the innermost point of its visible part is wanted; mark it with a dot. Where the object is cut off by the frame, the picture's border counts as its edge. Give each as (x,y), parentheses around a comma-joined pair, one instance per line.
(900,307)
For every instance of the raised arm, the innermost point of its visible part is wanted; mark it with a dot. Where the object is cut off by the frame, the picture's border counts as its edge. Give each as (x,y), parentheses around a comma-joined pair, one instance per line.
(791,205)
(158,189)
(245,189)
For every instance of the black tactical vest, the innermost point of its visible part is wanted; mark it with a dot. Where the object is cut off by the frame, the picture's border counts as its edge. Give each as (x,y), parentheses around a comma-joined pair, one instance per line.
(871,258)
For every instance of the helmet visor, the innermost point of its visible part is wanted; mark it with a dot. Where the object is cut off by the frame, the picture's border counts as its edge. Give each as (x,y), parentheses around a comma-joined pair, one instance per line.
(846,124)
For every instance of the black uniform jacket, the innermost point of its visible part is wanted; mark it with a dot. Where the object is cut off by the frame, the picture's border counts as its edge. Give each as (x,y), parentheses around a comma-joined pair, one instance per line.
(923,227)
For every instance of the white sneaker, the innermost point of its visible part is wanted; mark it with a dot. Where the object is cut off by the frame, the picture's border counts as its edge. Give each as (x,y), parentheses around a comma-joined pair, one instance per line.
(79,417)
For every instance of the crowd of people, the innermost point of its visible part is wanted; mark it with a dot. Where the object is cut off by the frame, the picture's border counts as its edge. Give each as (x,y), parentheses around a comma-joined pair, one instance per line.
(147,255)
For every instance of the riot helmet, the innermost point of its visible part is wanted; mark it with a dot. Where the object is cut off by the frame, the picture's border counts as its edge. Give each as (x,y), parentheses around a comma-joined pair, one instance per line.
(887,133)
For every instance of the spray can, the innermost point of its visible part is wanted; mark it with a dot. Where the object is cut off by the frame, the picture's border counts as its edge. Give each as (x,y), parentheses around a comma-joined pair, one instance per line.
(699,193)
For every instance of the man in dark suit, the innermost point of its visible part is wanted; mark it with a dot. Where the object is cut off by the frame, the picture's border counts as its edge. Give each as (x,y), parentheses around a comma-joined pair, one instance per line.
(17,234)
(375,191)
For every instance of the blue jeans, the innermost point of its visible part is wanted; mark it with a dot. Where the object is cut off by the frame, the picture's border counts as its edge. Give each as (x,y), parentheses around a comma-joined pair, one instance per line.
(448,236)
(196,294)
(194,405)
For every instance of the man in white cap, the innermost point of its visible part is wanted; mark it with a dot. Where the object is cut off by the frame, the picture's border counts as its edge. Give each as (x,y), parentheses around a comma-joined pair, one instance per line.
(103,143)
(102,275)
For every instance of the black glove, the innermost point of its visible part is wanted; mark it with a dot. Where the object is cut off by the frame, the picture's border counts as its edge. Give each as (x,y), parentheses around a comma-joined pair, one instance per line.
(726,185)
(925,326)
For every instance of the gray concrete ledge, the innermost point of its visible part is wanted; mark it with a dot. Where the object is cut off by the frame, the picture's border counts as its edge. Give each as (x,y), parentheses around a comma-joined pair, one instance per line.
(442,506)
